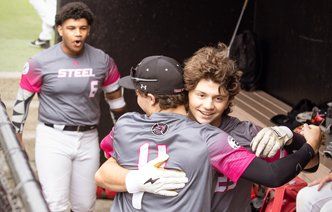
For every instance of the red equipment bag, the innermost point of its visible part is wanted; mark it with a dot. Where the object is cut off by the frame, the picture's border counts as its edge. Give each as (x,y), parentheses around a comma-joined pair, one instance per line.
(283,198)
(103,193)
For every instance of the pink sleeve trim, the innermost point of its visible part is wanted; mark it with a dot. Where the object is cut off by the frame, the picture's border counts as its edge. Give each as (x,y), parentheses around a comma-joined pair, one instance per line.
(112,77)
(107,144)
(25,84)
(31,79)
(234,163)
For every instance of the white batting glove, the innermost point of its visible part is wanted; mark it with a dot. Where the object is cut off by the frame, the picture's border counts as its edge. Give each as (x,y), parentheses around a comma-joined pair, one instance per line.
(150,178)
(270,139)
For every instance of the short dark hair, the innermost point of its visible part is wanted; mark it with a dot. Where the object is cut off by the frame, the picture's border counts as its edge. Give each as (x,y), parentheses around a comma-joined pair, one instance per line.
(169,101)
(75,10)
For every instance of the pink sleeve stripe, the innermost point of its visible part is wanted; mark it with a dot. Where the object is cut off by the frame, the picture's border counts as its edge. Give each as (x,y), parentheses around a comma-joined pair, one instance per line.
(112,77)
(107,144)
(234,163)
(33,86)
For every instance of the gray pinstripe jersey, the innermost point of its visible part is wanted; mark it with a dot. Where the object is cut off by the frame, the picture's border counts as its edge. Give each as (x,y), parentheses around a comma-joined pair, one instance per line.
(192,147)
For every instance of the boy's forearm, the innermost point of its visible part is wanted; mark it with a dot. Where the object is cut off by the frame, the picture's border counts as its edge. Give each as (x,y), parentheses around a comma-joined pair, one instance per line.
(279,172)
(313,164)
(298,141)
(112,176)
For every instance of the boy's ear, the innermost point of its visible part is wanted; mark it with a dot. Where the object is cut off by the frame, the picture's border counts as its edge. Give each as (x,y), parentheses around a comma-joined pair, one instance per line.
(152,99)
(59,29)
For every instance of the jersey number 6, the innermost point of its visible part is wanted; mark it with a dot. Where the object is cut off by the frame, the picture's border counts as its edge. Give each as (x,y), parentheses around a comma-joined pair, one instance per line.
(93,88)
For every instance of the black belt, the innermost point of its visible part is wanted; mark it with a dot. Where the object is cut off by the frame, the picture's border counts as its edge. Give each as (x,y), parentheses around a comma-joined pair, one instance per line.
(75,128)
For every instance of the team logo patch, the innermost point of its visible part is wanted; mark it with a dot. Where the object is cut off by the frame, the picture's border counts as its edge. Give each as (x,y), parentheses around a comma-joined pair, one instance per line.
(159,128)
(232,142)
(26,68)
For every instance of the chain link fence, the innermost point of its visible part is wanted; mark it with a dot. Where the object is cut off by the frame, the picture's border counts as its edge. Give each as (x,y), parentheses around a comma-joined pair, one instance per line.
(19,189)
(9,200)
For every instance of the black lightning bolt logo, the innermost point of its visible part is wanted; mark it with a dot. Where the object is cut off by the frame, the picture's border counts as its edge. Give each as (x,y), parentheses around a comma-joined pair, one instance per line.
(151,181)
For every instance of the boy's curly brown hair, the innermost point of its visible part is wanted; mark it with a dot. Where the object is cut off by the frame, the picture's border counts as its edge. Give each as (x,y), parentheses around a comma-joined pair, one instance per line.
(213,63)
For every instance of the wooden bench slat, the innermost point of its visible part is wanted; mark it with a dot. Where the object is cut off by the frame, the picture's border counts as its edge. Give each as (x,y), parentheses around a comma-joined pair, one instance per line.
(260,107)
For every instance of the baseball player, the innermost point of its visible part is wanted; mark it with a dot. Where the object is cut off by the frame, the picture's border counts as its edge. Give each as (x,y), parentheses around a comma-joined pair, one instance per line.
(46,10)
(192,147)
(68,79)
(213,81)
(226,191)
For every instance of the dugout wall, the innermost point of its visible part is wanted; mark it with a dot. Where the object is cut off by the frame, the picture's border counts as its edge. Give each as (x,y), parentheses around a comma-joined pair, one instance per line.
(296,38)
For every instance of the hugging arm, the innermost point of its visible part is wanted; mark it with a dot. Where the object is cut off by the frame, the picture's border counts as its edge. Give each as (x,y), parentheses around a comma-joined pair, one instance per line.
(270,140)
(280,171)
(298,142)
(114,177)
(235,162)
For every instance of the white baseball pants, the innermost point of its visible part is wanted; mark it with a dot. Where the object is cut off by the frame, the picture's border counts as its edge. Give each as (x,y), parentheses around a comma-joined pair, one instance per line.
(66,164)
(46,9)
(309,199)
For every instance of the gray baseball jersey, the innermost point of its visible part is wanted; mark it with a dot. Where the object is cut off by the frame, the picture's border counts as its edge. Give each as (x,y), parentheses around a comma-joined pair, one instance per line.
(230,196)
(69,87)
(194,148)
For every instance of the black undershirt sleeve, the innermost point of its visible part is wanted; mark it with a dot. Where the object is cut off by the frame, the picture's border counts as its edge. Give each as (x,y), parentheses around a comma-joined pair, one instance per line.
(280,171)
(297,143)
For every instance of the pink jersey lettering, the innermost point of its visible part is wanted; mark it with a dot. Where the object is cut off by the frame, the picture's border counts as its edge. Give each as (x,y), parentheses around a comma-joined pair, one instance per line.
(224,184)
